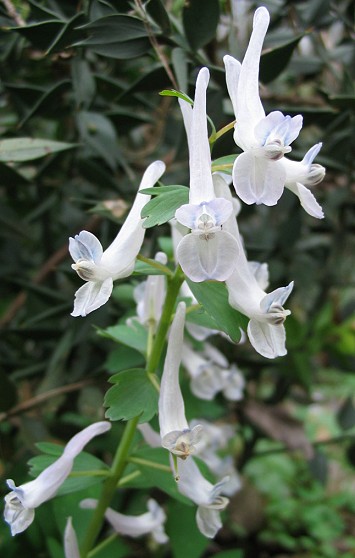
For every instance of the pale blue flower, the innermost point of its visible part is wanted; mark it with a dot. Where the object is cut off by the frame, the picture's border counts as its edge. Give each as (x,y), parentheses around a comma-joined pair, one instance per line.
(258,173)
(100,268)
(208,252)
(21,502)
(175,433)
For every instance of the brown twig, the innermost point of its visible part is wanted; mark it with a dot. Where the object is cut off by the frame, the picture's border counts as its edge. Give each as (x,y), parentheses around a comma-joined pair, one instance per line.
(11,10)
(42,397)
(156,45)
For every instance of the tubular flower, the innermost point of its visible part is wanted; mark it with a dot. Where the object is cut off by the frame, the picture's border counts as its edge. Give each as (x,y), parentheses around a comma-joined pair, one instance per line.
(265,330)
(100,268)
(258,174)
(21,502)
(206,495)
(151,522)
(175,433)
(208,252)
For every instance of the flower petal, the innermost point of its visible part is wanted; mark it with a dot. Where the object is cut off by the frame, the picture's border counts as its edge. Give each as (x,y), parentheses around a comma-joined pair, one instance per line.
(307,200)
(85,246)
(201,186)
(91,296)
(212,258)
(18,517)
(208,521)
(134,525)
(121,254)
(171,403)
(278,296)
(250,109)
(233,68)
(267,339)
(71,546)
(258,180)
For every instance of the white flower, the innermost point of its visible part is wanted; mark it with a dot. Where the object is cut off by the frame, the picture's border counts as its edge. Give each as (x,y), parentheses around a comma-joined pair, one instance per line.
(206,495)
(208,252)
(215,437)
(21,502)
(258,174)
(71,547)
(151,522)
(100,268)
(265,330)
(175,433)
(150,295)
(233,383)
(305,173)
(206,380)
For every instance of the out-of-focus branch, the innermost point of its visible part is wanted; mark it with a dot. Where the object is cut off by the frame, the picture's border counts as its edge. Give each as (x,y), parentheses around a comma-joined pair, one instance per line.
(11,10)
(42,397)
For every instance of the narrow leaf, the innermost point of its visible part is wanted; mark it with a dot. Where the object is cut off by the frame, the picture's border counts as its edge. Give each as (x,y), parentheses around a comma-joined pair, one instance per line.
(26,149)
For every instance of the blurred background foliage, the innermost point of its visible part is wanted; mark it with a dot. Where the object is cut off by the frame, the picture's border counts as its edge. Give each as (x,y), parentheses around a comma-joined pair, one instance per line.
(89,73)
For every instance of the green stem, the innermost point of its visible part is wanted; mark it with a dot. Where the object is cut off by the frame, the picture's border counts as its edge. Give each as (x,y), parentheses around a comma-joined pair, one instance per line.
(109,486)
(153,263)
(102,545)
(172,292)
(151,464)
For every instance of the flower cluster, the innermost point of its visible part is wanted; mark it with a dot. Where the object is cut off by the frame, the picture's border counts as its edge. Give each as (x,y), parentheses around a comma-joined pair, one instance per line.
(207,246)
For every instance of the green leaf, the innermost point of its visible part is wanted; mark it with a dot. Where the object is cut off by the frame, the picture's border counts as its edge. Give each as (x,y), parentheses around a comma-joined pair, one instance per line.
(156,10)
(41,35)
(162,207)
(133,394)
(26,149)
(83,82)
(275,60)
(224,164)
(213,296)
(135,335)
(123,358)
(201,318)
(185,538)
(117,36)
(346,414)
(174,93)
(200,20)
(180,65)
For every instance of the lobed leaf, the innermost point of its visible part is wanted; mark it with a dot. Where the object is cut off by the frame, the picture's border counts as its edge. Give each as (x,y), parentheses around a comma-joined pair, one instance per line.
(133,394)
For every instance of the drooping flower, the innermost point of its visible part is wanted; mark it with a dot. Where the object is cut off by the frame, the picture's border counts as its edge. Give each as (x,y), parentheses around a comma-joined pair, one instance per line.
(258,173)
(305,173)
(175,433)
(151,522)
(100,268)
(208,252)
(71,546)
(265,330)
(215,438)
(21,502)
(206,495)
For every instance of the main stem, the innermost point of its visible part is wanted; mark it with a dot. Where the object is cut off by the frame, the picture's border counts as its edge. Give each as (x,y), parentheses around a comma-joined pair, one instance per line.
(121,457)
(109,486)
